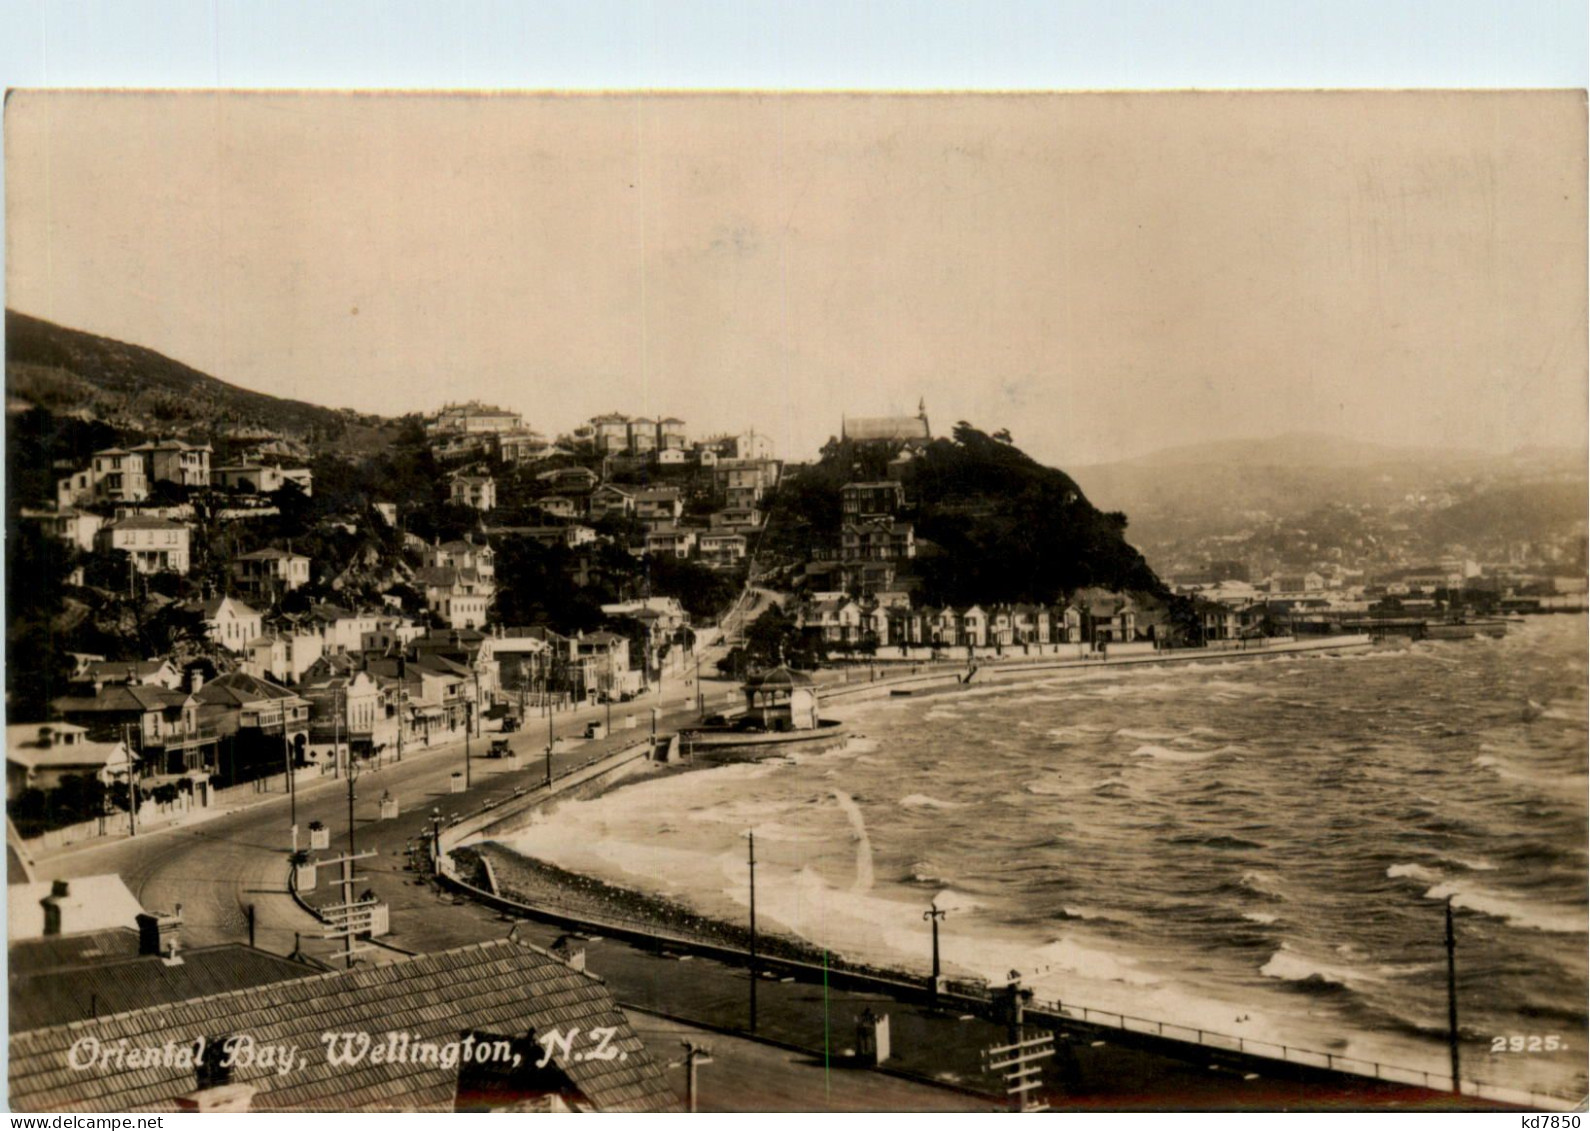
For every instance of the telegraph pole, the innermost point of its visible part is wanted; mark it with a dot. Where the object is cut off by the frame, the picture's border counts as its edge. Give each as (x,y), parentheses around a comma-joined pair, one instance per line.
(752,860)
(467,779)
(1451,998)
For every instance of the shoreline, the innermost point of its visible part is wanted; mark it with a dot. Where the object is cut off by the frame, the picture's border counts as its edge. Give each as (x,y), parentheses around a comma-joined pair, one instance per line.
(541,883)
(583,894)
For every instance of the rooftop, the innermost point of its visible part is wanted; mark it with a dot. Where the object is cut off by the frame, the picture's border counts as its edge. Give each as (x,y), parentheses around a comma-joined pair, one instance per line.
(501,988)
(99,987)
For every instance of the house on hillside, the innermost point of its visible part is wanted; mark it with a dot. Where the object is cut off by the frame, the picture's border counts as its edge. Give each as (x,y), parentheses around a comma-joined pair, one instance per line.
(462,554)
(658,504)
(172,461)
(611,499)
(477,491)
(270,572)
(261,479)
(156,545)
(721,549)
(672,541)
(95,674)
(69,525)
(228,621)
(868,499)
(460,597)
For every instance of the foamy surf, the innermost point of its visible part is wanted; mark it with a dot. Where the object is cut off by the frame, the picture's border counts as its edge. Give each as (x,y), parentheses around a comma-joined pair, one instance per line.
(1413,872)
(1166,754)
(1514,912)
(923,801)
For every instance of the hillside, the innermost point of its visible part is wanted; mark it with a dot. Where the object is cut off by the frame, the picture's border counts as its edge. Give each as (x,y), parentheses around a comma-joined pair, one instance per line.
(993,525)
(70,372)
(1282,501)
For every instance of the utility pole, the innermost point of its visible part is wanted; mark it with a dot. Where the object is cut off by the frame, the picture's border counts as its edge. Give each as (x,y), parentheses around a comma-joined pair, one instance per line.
(132,782)
(1451,998)
(336,732)
(292,787)
(694,1055)
(752,860)
(352,777)
(467,779)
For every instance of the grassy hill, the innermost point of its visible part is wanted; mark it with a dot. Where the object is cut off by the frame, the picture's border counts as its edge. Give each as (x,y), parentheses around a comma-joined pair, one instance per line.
(70,372)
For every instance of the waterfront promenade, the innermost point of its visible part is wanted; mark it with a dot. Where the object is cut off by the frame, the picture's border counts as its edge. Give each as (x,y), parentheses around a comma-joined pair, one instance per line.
(230,861)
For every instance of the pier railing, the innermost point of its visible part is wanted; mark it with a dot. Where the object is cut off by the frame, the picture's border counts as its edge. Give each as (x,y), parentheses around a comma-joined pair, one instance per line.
(1293,1054)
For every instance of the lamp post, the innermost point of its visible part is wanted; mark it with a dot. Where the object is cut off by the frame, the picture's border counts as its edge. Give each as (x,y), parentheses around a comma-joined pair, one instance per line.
(751,859)
(1451,998)
(292,787)
(436,837)
(933,915)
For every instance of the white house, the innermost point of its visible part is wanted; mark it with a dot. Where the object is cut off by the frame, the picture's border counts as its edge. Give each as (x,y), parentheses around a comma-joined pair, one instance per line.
(155,544)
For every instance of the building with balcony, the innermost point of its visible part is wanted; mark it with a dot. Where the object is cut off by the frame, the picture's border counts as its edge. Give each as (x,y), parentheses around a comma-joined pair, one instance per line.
(156,545)
(270,572)
(477,491)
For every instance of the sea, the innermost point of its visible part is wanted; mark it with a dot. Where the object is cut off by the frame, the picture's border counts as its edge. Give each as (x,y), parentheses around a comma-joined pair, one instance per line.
(1259,848)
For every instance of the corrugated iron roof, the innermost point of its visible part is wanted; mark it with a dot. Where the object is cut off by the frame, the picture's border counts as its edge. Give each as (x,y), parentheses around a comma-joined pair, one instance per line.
(96,987)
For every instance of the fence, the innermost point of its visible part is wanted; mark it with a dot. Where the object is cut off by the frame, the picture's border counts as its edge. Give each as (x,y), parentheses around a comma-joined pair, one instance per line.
(150,814)
(1292,1054)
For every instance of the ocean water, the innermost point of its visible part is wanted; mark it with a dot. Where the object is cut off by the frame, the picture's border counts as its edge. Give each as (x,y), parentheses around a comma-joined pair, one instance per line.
(1261,849)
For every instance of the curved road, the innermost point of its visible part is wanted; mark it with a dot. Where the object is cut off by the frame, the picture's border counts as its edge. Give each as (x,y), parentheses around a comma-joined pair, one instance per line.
(217,866)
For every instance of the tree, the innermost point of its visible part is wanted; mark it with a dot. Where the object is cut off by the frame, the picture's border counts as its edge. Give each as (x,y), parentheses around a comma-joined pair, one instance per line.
(37,666)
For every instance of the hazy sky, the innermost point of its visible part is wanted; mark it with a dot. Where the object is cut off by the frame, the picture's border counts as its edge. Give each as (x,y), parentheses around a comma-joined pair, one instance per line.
(1102,274)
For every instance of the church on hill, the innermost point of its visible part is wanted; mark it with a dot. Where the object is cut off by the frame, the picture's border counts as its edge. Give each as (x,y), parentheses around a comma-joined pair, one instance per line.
(888,429)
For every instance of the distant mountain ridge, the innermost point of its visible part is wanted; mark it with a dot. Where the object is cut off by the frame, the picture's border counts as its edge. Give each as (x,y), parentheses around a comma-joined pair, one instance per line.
(1183,497)
(72,372)
(1310,449)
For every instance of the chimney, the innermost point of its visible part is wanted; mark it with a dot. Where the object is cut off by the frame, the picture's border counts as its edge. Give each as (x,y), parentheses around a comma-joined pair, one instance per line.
(159,933)
(565,950)
(214,1090)
(60,892)
(195,680)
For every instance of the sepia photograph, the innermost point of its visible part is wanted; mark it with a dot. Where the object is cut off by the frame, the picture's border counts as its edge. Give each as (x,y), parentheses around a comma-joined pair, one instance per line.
(788,601)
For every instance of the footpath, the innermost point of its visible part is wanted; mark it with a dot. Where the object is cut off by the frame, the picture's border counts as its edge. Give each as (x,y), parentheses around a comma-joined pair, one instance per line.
(806,1026)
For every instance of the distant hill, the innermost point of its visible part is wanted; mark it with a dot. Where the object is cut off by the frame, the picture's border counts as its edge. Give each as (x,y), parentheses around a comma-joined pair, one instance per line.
(1182,497)
(1302,470)
(73,373)
(1294,449)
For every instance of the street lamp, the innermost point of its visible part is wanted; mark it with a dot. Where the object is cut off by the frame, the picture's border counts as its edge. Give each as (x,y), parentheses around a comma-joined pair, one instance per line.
(292,786)
(933,915)
(751,859)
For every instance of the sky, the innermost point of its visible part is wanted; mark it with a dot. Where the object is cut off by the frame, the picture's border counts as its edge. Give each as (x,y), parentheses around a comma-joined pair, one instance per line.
(1104,275)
